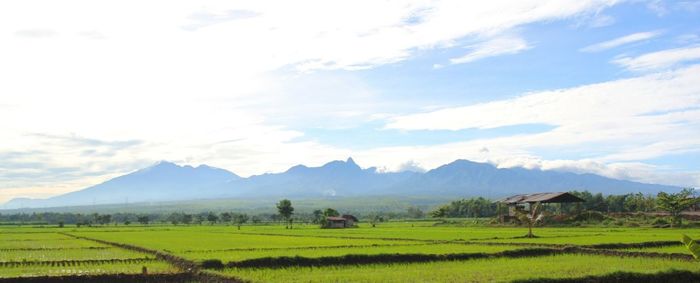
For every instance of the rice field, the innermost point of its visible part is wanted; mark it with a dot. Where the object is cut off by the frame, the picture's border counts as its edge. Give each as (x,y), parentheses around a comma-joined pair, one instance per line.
(316,252)
(396,252)
(43,253)
(679,249)
(486,270)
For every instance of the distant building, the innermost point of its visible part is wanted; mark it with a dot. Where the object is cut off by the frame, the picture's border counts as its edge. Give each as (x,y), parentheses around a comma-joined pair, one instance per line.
(345,221)
(518,202)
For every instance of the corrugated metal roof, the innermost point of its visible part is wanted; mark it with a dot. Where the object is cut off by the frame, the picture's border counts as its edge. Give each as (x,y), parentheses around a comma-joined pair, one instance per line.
(542,197)
(333,218)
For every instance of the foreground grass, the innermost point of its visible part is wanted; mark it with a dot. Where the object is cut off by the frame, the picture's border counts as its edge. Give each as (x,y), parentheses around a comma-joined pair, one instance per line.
(486,270)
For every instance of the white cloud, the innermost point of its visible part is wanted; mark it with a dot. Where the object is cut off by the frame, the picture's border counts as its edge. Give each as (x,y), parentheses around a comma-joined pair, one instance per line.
(602,21)
(411,166)
(627,39)
(589,104)
(208,82)
(660,59)
(619,122)
(504,45)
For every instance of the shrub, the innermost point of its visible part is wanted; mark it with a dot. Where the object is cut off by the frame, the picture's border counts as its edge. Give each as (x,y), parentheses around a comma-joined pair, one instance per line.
(590,216)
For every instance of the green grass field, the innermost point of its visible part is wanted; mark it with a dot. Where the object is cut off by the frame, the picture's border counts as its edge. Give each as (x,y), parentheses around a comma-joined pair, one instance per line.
(392,252)
(69,254)
(41,252)
(666,250)
(341,251)
(491,270)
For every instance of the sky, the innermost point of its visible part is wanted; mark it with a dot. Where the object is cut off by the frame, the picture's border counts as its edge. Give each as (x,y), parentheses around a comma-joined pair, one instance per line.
(90,90)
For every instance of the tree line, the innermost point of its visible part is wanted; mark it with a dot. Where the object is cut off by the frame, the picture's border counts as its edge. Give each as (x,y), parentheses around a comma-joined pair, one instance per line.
(478,207)
(673,203)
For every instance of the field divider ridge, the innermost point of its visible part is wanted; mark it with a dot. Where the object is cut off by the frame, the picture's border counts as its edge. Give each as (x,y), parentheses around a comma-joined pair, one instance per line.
(639,245)
(674,256)
(360,259)
(187,266)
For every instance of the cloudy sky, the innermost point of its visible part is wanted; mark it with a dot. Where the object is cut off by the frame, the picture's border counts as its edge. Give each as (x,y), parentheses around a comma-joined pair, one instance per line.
(93,89)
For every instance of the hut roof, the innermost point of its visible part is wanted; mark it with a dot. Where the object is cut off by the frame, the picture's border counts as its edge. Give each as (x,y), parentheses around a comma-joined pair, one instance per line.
(333,218)
(559,197)
(349,216)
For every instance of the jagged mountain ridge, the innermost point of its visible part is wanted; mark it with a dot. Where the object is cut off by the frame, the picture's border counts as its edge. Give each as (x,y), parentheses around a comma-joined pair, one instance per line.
(167,181)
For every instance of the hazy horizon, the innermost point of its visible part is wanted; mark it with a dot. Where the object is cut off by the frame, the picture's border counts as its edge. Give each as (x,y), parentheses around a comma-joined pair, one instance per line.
(92,91)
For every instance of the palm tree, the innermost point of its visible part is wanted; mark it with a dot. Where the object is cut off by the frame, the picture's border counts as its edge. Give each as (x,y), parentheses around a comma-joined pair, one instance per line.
(531,218)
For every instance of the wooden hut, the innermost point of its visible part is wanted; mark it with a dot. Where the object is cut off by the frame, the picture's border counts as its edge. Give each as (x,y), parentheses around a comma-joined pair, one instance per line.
(518,202)
(345,221)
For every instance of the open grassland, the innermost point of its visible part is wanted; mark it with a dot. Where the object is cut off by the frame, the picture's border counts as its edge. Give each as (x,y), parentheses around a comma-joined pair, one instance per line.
(482,270)
(393,252)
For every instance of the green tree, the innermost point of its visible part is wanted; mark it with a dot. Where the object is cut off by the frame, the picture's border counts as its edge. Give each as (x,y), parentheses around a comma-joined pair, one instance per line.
(104,219)
(415,212)
(187,219)
(375,218)
(143,219)
(318,216)
(226,217)
(199,219)
(285,209)
(175,218)
(240,219)
(674,204)
(212,218)
(329,212)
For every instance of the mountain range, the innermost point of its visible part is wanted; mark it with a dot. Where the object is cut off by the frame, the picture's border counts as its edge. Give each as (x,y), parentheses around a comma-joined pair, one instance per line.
(166,181)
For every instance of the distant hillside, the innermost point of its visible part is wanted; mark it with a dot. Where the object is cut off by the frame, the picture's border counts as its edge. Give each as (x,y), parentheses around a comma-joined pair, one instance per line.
(472,178)
(166,181)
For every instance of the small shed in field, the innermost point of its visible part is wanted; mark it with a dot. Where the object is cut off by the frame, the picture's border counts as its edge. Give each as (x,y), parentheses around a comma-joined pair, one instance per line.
(518,201)
(344,221)
(349,220)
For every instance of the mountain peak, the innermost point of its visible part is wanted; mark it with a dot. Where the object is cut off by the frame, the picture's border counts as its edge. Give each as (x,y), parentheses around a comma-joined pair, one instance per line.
(349,163)
(164,163)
